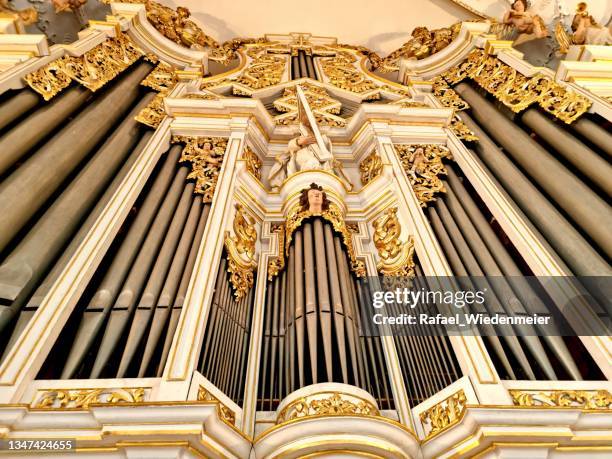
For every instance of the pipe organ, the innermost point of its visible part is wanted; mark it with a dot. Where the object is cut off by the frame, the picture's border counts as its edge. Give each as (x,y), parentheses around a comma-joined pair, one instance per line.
(190,258)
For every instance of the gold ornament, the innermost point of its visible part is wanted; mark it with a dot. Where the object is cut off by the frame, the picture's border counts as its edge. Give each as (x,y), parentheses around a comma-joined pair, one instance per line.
(396,257)
(444,414)
(253,163)
(407,102)
(423,164)
(161,79)
(225,413)
(462,132)
(515,90)
(49,80)
(206,156)
(264,70)
(371,167)
(341,72)
(335,404)
(448,97)
(82,398)
(277,264)
(153,114)
(586,399)
(324,107)
(240,250)
(93,69)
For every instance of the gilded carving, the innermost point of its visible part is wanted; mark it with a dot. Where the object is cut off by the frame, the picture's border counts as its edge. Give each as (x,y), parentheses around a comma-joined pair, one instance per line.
(447,96)
(334,404)
(371,167)
(93,69)
(396,257)
(330,212)
(587,399)
(324,107)
(82,398)
(277,264)
(240,250)
(206,156)
(102,63)
(462,132)
(161,79)
(515,90)
(225,413)
(264,69)
(49,80)
(341,72)
(253,163)
(407,102)
(153,114)
(444,414)
(423,165)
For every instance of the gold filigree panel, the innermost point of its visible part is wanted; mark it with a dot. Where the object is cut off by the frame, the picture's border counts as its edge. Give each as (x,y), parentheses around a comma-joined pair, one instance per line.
(396,257)
(324,107)
(444,414)
(161,79)
(240,250)
(264,69)
(253,162)
(587,399)
(515,90)
(153,114)
(225,413)
(332,404)
(370,167)
(277,264)
(93,69)
(206,157)
(423,166)
(82,398)
(341,72)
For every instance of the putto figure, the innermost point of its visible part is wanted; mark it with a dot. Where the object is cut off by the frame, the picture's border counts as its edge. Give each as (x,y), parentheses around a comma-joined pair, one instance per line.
(586,30)
(524,21)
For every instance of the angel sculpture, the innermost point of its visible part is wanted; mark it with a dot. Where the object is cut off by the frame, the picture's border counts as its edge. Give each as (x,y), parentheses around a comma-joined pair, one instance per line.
(525,22)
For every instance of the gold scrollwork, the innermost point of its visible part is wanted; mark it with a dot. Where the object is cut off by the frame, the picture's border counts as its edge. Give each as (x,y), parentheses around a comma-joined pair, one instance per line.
(423,164)
(162,78)
(444,414)
(335,404)
(206,156)
(264,70)
(587,399)
(225,413)
(515,90)
(324,107)
(93,69)
(461,130)
(342,73)
(253,162)
(333,214)
(371,167)
(49,80)
(82,398)
(396,257)
(448,97)
(154,112)
(277,264)
(240,250)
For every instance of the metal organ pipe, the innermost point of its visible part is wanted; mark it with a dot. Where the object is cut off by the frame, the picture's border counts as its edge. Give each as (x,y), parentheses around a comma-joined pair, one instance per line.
(587,209)
(16,105)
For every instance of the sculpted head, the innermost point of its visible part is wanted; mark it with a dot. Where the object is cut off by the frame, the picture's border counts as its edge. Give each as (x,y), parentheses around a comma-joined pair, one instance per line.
(314,199)
(520,6)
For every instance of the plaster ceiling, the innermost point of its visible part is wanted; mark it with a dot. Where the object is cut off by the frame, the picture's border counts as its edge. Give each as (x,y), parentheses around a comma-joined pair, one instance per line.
(381,26)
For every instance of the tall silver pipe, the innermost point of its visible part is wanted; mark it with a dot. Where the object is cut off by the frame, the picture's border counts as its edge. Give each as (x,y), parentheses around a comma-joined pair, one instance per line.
(509,268)
(586,208)
(311,298)
(582,157)
(16,105)
(594,133)
(22,270)
(100,304)
(299,306)
(125,303)
(32,184)
(582,258)
(21,138)
(322,287)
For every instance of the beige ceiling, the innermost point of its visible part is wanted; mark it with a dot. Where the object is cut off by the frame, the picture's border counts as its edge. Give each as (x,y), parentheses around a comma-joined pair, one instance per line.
(382,26)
